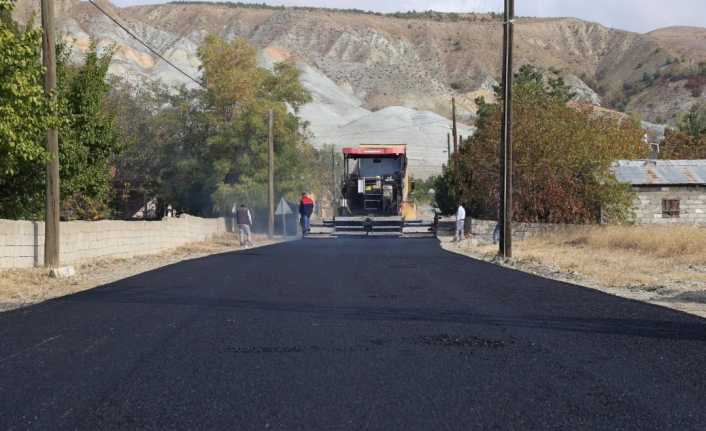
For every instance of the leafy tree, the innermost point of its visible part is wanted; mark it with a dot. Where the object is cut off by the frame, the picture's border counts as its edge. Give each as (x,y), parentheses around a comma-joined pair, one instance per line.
(87,138)
(24,116)
(445,192)
(202,150)
(693,122)
(562,158)
(689,141)
(678,145)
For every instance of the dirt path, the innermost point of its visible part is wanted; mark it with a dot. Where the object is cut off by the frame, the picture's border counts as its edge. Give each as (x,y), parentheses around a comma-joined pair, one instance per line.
(22,287)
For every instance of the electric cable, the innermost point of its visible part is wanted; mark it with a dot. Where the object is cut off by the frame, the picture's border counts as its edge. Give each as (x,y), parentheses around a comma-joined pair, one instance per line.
(152,50)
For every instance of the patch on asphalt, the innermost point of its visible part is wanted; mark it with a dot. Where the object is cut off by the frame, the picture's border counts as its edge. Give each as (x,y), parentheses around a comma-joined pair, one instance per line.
(440,341)
(382,296)
(257,350)
(461,341)
(444,341)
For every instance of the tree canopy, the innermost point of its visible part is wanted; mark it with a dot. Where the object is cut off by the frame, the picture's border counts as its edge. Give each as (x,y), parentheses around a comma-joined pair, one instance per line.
(562,157)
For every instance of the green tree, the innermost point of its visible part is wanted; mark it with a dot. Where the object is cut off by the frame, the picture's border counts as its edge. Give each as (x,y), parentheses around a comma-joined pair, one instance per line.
(24,116)
(693,122)
(87,137)
(562,158)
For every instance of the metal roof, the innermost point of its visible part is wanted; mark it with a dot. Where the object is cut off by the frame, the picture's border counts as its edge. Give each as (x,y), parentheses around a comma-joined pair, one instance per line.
(660,172)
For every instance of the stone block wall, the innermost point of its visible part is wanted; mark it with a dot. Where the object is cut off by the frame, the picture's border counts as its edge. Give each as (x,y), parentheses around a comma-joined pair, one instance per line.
(22,242)
(648,204)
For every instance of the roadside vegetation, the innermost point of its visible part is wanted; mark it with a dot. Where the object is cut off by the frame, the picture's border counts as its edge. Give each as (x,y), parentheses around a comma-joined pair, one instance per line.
(562,158)
(623,256)
(122,145)
(688,140)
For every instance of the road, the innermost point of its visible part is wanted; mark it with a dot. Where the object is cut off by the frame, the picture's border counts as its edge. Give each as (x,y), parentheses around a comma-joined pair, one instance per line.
(349,335)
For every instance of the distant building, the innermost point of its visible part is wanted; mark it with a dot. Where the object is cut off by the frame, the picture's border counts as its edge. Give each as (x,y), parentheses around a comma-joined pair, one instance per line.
(668,191)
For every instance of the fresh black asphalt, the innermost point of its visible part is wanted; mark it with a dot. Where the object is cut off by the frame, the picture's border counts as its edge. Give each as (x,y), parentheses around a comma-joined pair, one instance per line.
(349,335)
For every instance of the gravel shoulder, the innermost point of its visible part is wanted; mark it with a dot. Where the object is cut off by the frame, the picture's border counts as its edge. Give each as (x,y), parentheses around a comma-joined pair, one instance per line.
(681,287)
(23,287)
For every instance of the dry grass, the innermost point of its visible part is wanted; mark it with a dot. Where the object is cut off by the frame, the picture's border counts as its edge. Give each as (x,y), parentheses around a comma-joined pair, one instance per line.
(623,256)
(28,286)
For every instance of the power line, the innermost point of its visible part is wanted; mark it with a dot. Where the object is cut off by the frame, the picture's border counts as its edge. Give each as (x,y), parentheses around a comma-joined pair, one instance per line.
(152,50)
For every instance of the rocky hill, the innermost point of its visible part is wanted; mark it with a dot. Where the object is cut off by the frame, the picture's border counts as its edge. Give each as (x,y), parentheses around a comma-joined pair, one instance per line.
(357,64)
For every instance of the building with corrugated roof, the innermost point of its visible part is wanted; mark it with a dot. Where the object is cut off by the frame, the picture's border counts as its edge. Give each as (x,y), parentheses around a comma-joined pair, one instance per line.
(667,191)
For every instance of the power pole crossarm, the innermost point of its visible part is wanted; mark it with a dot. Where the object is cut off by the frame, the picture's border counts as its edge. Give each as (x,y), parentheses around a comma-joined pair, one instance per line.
(51,223)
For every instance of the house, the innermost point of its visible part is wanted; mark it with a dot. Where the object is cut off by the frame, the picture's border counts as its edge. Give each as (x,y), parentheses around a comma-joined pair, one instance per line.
(667,191)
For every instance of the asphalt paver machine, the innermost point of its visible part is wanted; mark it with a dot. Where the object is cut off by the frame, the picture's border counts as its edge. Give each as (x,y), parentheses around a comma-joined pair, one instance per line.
(375,190)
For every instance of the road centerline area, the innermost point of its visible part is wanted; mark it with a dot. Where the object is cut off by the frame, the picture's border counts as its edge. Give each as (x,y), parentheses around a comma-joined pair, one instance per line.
(349,334)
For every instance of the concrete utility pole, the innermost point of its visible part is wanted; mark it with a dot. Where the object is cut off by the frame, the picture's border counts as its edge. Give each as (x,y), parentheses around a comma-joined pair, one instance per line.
(271,178)
(51,221)
(506,136)
(455,130)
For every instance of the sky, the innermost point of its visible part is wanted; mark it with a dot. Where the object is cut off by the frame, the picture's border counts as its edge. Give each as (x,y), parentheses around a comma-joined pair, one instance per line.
(634,15)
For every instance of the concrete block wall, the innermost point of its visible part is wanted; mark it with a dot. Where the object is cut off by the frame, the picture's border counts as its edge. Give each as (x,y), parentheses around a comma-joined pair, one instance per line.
(482,230)
(22,242)
(648,205)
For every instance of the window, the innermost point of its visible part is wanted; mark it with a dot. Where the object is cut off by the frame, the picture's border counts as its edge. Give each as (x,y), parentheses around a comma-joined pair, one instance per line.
(670,208)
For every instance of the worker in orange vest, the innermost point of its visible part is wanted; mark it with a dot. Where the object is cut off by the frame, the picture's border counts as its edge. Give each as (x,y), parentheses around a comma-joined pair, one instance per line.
(306,209)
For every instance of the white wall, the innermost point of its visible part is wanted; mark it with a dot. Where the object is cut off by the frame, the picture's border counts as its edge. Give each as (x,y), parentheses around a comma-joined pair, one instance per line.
(22,242)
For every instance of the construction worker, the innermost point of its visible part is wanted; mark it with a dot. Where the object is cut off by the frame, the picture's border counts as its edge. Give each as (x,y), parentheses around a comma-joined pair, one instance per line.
(244,218)
(306,209)
(460,223)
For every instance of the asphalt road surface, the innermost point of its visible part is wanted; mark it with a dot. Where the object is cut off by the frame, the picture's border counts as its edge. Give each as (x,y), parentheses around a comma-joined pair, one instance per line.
(349,335)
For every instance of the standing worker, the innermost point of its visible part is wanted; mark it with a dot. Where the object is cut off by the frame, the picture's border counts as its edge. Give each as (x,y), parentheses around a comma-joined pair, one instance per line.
(460,223)
(244,219)
(306,209)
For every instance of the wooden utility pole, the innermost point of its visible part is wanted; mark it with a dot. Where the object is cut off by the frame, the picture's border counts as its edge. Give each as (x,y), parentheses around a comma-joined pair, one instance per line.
(506,136)
(448,147)
(271,178)
(455,130)
(51,221)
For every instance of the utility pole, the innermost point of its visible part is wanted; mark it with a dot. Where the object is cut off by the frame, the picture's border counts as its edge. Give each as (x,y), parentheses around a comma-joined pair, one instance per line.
(455,130)
(271,178)
(506,136)
(51,221)
(448,148)
(334,192)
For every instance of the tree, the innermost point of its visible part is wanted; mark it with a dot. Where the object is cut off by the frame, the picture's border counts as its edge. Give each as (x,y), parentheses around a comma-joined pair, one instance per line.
(87,137)
(24,116)
(202,150)
(87,140)
(689,140)
(562,158)
(678,145)
(693,122)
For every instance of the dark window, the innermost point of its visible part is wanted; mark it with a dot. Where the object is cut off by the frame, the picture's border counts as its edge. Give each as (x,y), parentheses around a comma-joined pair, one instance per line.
(670,208)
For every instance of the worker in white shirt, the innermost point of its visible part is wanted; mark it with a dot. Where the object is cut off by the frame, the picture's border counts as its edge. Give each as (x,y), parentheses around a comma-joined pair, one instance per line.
(460,223)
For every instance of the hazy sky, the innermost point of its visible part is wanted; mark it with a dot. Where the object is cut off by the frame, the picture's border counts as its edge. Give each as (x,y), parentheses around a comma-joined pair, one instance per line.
(635,15)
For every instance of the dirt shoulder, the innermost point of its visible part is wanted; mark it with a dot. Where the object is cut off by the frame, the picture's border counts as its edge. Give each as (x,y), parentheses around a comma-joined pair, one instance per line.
(22,287)
(661,266)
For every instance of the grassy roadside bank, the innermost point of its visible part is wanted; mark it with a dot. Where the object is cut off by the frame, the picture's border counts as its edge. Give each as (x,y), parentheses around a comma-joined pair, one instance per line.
(22,287)
(660,265)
